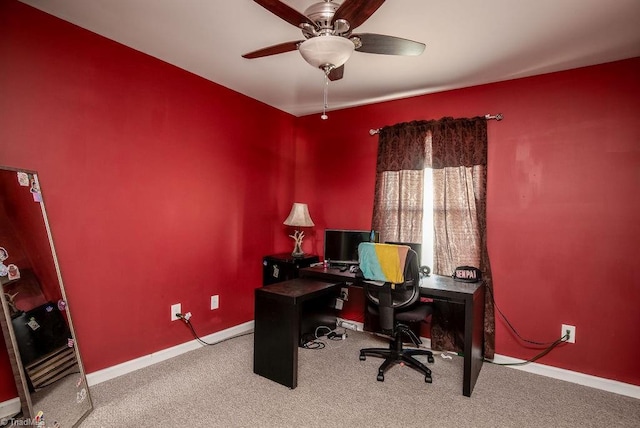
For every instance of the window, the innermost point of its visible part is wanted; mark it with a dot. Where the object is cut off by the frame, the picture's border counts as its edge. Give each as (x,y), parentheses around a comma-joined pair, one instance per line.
(427,220)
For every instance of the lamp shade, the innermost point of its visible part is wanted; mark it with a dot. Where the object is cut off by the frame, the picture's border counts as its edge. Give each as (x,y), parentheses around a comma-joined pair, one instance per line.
(322,51)
(299,216)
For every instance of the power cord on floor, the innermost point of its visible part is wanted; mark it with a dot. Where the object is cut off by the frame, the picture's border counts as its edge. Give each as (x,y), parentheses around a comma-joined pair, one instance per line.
(308,341)
(314,341)
(551,346)
(185,319)
(333,334)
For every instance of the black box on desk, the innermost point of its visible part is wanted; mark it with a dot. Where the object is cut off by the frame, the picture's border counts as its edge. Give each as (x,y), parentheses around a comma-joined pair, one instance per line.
(283,266)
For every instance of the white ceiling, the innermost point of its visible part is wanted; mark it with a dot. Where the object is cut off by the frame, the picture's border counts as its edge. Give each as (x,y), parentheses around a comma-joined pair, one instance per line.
(469,42)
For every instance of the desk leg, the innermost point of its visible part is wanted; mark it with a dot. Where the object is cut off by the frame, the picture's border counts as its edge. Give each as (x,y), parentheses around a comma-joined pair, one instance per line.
(473,340)
(275,343)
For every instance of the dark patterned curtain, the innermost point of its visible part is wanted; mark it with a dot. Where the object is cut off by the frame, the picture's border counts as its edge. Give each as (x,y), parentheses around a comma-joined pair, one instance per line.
(456,150)
(397,212)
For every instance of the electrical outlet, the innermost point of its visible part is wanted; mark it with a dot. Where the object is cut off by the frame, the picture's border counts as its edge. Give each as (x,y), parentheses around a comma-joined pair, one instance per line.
(175,309)
(569,330)
(215,302)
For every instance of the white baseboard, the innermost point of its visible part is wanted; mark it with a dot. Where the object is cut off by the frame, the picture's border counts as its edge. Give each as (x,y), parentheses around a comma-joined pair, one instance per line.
(574,377)
(9,408)
(138,363)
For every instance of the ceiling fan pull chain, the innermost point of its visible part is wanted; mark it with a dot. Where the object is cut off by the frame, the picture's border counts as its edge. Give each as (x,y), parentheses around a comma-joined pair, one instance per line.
(326,95)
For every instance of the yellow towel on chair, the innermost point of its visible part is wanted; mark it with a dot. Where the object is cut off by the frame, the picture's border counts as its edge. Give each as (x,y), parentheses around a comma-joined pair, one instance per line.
(383,262)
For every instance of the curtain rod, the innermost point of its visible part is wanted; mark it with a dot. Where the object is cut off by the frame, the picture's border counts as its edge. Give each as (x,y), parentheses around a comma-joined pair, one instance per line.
(497,117)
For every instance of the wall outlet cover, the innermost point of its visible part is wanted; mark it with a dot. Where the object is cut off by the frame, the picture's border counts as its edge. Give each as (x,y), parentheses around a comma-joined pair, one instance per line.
(175,309)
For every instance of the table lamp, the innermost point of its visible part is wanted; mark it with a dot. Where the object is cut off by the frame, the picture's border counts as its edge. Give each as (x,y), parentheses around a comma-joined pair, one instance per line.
(298,217)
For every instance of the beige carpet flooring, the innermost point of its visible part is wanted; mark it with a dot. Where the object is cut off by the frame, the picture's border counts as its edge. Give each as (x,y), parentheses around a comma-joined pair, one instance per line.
(215,387)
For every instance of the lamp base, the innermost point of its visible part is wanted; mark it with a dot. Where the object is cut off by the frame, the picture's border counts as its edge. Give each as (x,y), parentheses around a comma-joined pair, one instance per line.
(297,250)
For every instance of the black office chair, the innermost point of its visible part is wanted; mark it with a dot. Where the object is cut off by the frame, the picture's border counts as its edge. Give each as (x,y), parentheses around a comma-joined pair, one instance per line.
(397,305)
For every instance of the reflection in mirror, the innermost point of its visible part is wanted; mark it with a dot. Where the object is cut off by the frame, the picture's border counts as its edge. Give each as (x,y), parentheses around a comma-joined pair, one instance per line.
(36,323)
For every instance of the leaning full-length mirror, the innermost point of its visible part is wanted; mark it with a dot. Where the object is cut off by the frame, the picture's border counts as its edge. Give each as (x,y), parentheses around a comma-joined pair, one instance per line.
(36,320)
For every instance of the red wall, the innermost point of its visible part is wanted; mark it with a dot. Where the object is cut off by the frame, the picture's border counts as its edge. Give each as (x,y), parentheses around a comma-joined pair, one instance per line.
(161,187)
(563,204)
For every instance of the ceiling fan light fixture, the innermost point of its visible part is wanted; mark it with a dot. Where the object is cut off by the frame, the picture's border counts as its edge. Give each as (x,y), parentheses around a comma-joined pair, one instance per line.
(326,51)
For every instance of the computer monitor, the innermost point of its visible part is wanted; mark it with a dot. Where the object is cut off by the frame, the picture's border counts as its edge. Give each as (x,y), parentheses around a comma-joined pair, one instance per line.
(341,246)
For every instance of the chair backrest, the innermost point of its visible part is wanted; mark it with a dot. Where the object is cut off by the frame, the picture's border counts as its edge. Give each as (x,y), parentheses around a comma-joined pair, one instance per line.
(389,296)
(414,246)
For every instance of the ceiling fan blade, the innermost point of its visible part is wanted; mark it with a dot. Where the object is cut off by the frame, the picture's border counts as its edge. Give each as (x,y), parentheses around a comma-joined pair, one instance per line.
(336,73)
(285,12)
(273,50)
(356,11)
(388,45)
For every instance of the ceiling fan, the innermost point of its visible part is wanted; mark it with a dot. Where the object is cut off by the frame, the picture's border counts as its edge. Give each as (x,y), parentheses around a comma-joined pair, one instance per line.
(329,42)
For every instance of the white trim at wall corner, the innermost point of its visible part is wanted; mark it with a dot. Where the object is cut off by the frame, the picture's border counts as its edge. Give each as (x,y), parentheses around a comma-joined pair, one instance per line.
(609,385)
(156,357)
(9,408)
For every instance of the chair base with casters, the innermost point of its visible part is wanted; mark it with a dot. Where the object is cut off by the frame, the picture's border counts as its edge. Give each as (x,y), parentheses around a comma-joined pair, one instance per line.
(397,354)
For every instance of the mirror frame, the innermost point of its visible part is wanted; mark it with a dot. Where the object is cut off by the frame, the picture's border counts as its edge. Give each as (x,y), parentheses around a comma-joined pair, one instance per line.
(11,342)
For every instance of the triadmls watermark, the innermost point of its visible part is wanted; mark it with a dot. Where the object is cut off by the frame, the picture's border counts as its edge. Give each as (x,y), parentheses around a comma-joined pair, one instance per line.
(13,422)
(38,422)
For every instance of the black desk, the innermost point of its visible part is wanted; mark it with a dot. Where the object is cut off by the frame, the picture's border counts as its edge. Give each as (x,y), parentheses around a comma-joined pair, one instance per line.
(280,310)
(471,295)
